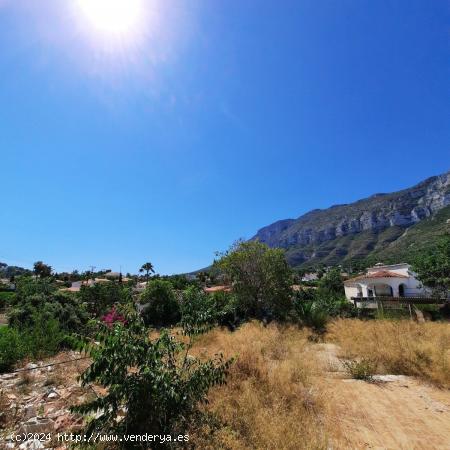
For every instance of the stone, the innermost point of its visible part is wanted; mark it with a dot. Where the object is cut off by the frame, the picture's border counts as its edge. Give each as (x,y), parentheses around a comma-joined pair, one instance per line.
(8,376)
(53,394)
(30,411)
(31,366)
(32,444)
(63,422)
(389,378)
(37,425)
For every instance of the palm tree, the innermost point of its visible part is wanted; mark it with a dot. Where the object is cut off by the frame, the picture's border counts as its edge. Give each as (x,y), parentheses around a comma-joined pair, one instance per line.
(147,268)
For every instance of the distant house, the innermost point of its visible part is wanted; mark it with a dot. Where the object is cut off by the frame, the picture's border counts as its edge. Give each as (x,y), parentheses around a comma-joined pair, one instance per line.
(140,287)
(76,285)
(112,275)
(311,276)
(212,289)
(397,280)
(6,283)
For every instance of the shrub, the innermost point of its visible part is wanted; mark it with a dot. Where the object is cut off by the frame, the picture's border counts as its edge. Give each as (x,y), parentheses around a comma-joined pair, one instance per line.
(154,386)
(6,299)
(162,307)
(65,308)
(362,369)
(311,314)
(112,317)
(227,305)
(43,338)
(199,312)
(11,348)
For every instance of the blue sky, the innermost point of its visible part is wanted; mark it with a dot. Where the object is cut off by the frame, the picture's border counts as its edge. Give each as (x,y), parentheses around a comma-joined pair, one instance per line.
(217,118)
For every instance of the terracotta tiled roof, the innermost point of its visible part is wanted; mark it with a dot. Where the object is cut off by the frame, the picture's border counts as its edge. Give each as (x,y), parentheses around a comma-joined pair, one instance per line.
(218,289)
(70,289)
(379,274)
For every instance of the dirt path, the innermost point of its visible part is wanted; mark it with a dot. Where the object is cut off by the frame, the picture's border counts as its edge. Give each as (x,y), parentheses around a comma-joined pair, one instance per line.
(396,412)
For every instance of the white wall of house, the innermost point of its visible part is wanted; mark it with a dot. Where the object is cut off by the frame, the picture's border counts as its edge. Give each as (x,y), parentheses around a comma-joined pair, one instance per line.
(386,286)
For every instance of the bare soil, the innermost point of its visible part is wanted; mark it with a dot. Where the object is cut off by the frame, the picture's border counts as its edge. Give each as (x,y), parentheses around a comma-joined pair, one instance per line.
(392,412)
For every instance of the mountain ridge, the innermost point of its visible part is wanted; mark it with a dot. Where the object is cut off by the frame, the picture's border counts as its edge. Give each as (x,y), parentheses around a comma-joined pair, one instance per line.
(381,218)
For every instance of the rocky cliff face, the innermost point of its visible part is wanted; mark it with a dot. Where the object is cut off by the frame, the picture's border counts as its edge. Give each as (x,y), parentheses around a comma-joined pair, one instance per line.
(374,214)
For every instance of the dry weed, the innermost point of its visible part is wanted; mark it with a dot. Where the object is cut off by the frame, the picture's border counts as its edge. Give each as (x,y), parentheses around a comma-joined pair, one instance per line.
(397,347)
(271,399)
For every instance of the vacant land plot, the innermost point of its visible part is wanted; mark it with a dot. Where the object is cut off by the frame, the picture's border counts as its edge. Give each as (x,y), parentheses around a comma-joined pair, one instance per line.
(288,391)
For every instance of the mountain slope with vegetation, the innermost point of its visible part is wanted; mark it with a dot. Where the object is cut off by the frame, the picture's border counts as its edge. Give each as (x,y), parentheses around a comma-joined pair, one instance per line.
(384,226)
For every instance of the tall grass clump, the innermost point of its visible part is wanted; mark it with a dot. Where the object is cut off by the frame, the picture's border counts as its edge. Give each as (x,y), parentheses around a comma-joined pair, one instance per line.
(397,347)
(271,399)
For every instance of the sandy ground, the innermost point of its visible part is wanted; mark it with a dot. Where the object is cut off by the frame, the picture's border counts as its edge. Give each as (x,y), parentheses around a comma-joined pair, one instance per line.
(394,412)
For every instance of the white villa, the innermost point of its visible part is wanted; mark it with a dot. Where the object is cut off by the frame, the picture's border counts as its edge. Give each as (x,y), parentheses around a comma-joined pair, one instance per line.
(395,280)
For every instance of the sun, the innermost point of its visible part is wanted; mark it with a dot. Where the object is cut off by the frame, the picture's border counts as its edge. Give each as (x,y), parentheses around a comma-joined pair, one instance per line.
(113,17)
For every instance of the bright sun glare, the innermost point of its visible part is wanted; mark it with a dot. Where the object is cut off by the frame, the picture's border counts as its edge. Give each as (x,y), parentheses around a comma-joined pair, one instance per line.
(115,17)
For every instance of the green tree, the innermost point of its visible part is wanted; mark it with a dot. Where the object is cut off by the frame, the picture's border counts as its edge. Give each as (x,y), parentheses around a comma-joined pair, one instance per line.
(162,307)
(42,270)
(261,279)
(202,277)
(154,385)
(101,297)
(26,286)
(147,268)
(179,282)
(433,267)
(332,282)
(38,297)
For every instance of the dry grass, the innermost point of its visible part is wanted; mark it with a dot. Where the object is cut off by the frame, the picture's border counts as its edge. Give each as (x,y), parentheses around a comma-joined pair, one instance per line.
(271,399)
(397,347)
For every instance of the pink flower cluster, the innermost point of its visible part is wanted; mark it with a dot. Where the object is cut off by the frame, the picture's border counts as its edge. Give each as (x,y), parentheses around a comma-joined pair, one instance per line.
(112,317)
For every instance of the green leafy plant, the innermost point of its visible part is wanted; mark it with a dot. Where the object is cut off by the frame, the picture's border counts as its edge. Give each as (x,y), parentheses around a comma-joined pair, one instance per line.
(433,267)
(311,314)
(154,385)
(162,307)
(362,369)
(11,348)
(199,312)
(41,339)
(261,279)
(65,308)
(100,298)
